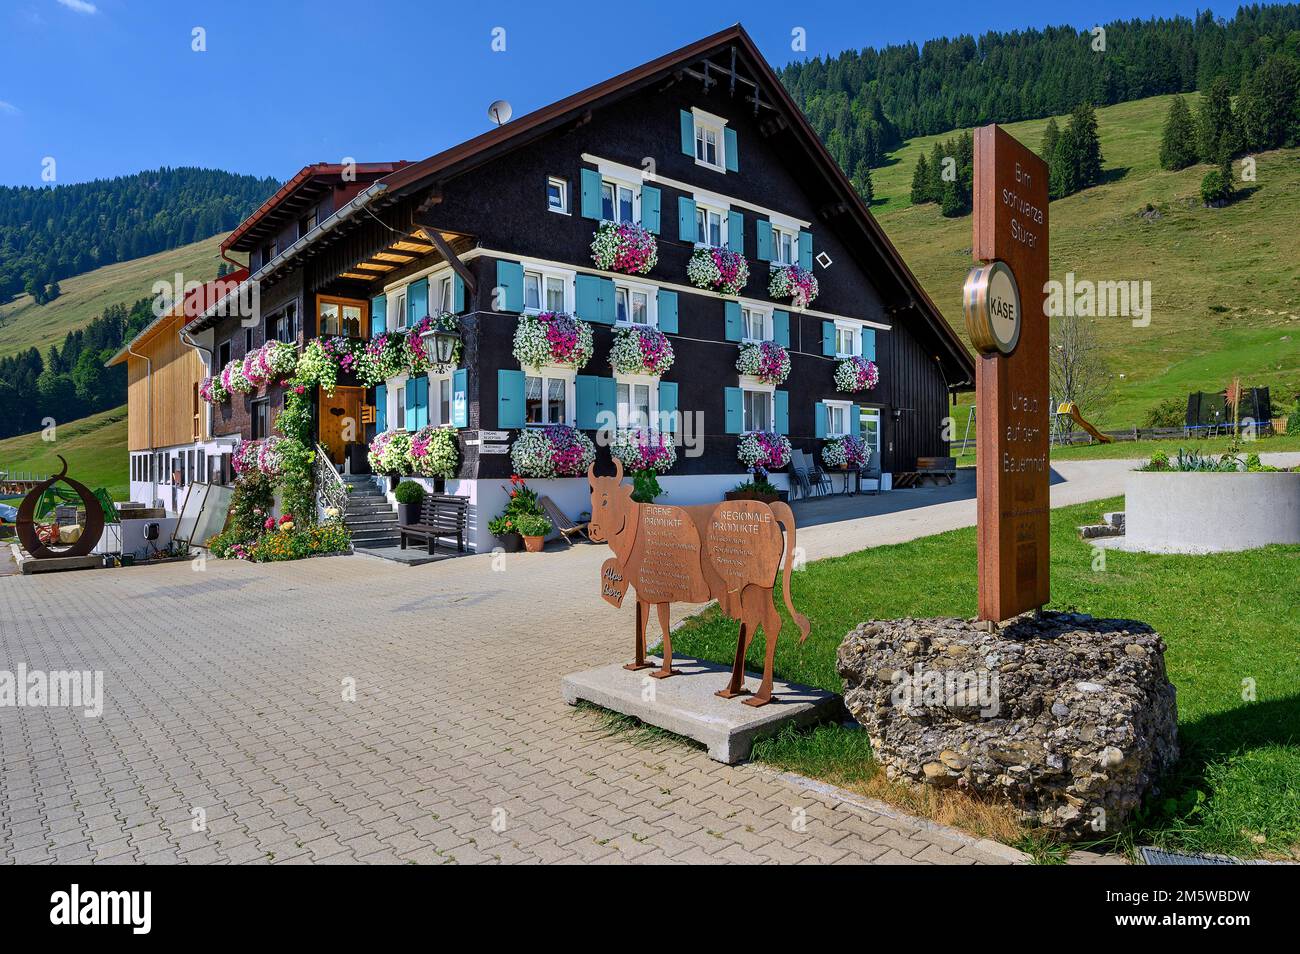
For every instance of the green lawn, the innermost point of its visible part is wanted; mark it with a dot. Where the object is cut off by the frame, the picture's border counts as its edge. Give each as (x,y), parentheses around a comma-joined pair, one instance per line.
(1119,450)
(1224,286)
(95,448)
(1226,619)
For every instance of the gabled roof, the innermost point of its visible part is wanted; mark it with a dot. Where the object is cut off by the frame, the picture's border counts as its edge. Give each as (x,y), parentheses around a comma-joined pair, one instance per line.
(195,302)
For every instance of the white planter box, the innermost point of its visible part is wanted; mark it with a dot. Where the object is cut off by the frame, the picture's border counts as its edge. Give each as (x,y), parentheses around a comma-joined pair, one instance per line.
(1209,512)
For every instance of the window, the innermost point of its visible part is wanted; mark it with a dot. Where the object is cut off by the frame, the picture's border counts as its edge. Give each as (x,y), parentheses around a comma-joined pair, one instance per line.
(281,326)
(785,246)
(248,340)
(545,291)
(399,418)
(308,222)
(709,140)
(442,399)
(757,410)
(546,399)
(557,195)
(708,226)
(617,201)
(446,288)
(846,340)
(201,466)
(268,252)
(339,316)
(223,356)
(632,305)
(871,431)
(837,418)
(261,413)
(756,324)
(637,402)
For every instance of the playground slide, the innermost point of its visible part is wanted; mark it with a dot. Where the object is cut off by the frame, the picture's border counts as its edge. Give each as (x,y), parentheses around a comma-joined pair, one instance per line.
(1096,434)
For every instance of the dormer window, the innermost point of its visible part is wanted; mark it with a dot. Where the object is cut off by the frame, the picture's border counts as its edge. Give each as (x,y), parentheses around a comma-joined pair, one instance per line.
(710,140)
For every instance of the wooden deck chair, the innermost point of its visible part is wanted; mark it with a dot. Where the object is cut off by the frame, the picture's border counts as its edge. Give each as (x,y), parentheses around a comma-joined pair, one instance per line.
(562,521)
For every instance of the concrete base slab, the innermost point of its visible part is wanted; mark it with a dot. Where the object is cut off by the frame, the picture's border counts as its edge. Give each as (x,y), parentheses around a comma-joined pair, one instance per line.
(687,704)
(55,564)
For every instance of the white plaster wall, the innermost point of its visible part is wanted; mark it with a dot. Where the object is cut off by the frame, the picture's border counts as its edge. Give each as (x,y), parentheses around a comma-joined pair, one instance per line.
(1209,513)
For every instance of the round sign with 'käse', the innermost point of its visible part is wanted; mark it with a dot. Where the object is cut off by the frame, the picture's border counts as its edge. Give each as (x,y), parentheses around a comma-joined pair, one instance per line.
(991,302)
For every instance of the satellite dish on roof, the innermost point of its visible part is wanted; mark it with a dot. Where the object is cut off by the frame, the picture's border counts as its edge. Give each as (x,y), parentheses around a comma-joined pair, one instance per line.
(500,112)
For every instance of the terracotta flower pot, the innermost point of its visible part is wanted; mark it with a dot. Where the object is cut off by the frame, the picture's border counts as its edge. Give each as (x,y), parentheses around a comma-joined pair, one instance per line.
(534,544)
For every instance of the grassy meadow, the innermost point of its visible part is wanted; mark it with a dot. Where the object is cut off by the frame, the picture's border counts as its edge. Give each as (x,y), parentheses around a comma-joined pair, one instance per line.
(94,447)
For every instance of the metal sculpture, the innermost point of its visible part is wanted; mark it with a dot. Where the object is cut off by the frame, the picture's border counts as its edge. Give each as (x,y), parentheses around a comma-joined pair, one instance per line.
(726,551)
(90,534)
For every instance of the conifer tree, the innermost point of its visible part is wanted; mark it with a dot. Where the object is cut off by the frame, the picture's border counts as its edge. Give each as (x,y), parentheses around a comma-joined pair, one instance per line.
(1178,144)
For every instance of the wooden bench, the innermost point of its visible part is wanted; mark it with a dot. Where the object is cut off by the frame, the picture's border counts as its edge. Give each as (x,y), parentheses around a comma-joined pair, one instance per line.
(441,515)
(928,468)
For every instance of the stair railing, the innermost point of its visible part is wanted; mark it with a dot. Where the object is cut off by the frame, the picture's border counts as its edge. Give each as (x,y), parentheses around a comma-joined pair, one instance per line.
(331,492)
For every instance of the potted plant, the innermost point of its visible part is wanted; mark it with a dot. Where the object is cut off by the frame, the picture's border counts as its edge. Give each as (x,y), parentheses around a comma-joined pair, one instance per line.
(718,269)
(624,247)
(797,284)
(523,501)
(409,496)
(855,374)
(767,361)
(533,528)
(756,488)
(847,452)
(502,527)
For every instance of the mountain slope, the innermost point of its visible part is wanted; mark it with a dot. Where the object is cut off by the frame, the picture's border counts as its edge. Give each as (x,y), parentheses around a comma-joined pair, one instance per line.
(94,447)
(1224,286)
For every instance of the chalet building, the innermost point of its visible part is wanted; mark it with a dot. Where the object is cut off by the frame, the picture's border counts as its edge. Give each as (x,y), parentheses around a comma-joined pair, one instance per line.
(702,147)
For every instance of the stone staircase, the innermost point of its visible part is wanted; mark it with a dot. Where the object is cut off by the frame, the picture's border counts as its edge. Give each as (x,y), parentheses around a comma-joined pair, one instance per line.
(369,516)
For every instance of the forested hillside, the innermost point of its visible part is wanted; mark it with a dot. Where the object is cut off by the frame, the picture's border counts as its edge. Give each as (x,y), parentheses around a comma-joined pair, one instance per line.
(864,103)
(49,234)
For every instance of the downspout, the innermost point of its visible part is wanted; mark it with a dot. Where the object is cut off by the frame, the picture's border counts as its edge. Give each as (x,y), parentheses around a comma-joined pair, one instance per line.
(148,384)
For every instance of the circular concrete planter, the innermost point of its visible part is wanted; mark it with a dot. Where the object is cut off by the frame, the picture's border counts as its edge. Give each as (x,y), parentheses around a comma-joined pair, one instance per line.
(1209,512)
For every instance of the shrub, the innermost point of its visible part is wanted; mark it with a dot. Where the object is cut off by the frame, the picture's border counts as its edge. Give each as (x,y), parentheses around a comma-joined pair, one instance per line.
(409,492)
(645,486)
(1168,413)
(1216,187)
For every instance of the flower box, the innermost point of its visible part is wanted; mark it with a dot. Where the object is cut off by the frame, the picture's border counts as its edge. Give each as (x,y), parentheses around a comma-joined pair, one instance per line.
(795,283)
(856,374)
(641,350)
(325,359)
(644,450)
(420,356)
(554,451)
(212,391)
(624,247)
(381,358)
(435,452)
(845,452)
(767,361)
(764,450)
(553,338)
(390,453)
(718,269)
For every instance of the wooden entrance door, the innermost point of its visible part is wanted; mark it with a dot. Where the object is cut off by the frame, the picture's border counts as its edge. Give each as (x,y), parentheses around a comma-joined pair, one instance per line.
(340,421)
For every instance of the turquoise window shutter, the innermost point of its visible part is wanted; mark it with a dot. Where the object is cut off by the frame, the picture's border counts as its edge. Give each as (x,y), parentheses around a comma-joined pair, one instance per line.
(590,188)
(688,134)
(510,281)
(584,386)
(869,343)
(417,301)
(668,405)
(855,420)
(650,208)
(421,402)
(686,219)
(587,297)
(606,401)
(781,406)
(819,420)
(781,328)
(608,307)
(460,398)
(731,154)
(828,338)
(736,232)
(457,294)
(732,326)
(805,250)
(764,240)
(410,405)
(735,410)
(510,399)
(667,311)
(381,408)
(378,315)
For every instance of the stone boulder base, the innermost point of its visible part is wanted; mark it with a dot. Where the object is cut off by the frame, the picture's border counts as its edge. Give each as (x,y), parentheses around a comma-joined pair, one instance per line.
(1070,718)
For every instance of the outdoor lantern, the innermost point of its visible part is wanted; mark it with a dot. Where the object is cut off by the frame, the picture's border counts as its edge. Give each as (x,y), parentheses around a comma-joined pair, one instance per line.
(444,345)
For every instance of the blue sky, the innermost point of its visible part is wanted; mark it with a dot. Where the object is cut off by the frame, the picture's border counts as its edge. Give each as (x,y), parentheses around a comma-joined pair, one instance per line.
(108,87)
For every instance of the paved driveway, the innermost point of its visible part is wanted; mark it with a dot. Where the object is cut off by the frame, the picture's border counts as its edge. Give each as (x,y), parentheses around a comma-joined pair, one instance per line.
(224,704)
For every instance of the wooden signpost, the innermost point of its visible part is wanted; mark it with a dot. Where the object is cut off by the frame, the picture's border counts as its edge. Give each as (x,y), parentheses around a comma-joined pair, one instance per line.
(1007,321)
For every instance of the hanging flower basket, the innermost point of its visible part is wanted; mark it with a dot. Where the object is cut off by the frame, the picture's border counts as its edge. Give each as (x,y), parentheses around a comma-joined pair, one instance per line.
(624,247)
(856,374)
(262,456)
(382,357)
(718,269)
(324,359)
(763,449)
(553,338)
(233,379)
(254,371)
(795,283)
(420,350)
(767,361)
(555,451)
(847,451)
(435,452)
(212,391)
(640,350)
(279,359)
(390,452)
(644,450)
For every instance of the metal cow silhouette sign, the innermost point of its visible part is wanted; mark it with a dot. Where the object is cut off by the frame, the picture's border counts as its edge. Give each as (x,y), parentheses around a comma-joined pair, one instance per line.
(728,551)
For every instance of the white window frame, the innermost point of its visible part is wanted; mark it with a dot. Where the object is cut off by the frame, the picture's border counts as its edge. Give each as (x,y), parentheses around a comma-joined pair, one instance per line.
(632,380)
(705,207)
(398,399)
(769,324)
(435,403)
(619,181)
(564,194)
(855,331)
(566,276)
(717,125)
(446,285)
(651,309)
(778,232)
(844,407)
(750,384)
(551,372)
(865,411)
(399,304)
